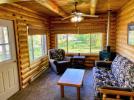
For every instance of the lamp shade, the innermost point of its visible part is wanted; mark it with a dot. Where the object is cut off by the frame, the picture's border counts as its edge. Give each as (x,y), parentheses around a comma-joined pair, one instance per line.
(76,19)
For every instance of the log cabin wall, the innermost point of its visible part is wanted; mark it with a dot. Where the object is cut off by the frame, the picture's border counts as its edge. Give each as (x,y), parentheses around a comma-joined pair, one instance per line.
(125,16)
(100,23)
(21,17)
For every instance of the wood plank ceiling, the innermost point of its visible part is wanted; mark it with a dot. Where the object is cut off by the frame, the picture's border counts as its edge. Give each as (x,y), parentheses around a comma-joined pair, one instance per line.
(67,6)
(84,5)
(33,5)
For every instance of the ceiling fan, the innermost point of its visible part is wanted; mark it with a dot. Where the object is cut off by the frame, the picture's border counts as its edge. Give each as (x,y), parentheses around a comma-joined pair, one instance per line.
(77,16)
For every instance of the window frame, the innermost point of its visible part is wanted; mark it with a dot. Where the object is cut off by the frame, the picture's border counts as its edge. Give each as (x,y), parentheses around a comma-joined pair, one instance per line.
(88,53)
(43,49)
(9,44)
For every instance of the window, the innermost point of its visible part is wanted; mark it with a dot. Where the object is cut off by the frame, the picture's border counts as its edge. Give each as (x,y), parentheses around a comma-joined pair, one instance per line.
(5,53)
(37,46)
(80,43)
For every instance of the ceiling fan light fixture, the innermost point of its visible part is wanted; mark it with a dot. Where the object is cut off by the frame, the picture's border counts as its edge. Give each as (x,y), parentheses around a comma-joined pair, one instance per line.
(76,19)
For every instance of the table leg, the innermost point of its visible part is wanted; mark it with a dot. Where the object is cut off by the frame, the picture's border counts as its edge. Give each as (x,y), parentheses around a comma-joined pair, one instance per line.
(78,93)
(62,90)
(82,84)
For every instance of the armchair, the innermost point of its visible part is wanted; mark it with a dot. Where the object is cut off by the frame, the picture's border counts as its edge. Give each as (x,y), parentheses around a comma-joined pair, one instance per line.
(58,61)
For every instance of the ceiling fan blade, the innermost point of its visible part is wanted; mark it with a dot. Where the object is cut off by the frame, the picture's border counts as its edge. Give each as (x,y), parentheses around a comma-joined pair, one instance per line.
(67,17)
(86,15)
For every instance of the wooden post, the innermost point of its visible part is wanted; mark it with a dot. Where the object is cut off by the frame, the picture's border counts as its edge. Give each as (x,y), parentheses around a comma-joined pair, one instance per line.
(131,98)
(78,93)
(104,97)
(118,97)
(62,90)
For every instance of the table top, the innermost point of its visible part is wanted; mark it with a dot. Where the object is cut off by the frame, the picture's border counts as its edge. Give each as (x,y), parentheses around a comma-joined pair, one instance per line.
(72,77)
(79,57)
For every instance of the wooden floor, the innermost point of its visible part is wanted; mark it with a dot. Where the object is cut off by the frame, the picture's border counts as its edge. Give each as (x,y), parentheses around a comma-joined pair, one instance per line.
(46,88)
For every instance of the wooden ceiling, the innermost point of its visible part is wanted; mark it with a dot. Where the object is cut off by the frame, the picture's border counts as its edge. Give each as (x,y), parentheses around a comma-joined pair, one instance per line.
(67,6)
(84,5)
(33,5)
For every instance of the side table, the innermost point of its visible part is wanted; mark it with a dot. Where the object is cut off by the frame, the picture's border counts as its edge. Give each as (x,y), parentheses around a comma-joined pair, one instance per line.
(78,61)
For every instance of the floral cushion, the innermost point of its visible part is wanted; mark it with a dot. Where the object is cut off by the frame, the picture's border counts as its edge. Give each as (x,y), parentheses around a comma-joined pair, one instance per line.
(57,54)
(123,70)
(104,77)
(116,65)
(129,75)
(118,69)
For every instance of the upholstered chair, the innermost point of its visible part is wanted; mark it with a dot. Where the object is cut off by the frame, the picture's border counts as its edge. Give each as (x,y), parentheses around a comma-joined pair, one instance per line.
(58,61)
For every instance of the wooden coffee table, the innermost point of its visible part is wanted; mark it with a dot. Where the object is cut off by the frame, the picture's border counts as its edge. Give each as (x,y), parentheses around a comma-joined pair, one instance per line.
(72,77)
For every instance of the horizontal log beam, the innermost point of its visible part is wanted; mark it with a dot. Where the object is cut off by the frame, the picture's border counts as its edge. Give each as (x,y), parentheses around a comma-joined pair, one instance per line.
(51,5)
(93,4)
(11,1)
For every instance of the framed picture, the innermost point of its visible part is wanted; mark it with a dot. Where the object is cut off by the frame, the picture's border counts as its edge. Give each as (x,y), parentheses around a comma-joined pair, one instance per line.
(131,34)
